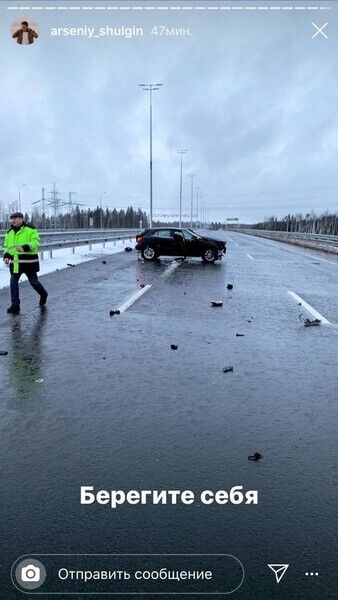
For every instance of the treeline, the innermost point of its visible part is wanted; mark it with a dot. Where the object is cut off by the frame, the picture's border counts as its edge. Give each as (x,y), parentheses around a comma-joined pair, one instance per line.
(325,224)
(85,219)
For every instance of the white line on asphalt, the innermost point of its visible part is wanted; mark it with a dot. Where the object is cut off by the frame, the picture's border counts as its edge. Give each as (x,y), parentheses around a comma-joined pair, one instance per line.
(249,256)
(133,298)
(313,257)
(309,308)
(170,269)
(147,287)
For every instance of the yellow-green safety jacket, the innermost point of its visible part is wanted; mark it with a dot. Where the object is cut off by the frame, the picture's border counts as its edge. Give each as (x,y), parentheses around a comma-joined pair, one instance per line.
(28,260)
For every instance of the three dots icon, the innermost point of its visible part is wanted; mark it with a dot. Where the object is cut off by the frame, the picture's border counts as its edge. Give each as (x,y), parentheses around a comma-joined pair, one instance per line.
(311,574)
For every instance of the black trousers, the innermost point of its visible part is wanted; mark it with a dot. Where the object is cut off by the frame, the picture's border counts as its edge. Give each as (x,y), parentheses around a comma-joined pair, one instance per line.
(33,280)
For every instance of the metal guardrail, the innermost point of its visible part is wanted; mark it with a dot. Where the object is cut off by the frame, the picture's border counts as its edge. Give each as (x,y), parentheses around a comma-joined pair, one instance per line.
(85,241)
(310,237)
(51,234)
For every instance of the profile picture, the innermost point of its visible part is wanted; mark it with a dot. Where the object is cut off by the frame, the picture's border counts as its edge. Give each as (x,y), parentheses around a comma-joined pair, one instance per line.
(25,31)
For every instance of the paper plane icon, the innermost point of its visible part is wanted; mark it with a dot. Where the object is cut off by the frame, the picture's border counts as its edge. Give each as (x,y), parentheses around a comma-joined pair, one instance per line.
(279,571)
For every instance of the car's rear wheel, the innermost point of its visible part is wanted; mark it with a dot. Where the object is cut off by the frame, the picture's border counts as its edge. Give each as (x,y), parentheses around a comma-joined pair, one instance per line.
(209,255)
(149,253)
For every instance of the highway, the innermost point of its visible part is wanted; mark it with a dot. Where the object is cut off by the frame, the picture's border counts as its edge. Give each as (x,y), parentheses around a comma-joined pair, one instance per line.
(89,399)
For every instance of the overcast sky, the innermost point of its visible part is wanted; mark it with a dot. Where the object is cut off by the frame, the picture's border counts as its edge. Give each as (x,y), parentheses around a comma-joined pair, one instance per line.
(250,94)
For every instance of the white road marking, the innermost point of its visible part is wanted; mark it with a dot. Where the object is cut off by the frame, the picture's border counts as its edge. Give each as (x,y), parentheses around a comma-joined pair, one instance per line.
(133,298)
(251,257)
(294,249)
(331,262)
(309,308)
(128,303)
(172,267)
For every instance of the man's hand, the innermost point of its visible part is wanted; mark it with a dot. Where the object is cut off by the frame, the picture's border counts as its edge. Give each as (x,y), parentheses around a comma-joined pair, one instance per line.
(19,248)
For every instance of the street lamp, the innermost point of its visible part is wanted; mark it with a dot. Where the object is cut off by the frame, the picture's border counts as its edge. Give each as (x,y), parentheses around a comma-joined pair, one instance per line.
(151,87)
(181,152)
(19,203)
(192,198)
(197,196)
(101,211)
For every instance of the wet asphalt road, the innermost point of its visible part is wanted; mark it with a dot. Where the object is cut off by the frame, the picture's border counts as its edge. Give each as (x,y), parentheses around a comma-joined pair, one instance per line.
(118,409)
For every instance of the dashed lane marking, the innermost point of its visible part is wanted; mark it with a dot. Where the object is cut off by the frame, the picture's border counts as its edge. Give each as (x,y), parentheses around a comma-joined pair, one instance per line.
(309,308)
(133,298)
(172,267)
(128,303)
(251,257)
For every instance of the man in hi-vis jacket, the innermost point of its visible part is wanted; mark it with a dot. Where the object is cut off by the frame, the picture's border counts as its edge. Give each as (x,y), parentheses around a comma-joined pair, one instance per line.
(21,248)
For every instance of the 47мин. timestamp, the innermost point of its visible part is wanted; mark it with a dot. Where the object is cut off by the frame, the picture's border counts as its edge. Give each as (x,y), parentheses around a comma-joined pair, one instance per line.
(164,31)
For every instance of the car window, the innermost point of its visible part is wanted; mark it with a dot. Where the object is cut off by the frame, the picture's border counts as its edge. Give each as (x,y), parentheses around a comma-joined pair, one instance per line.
(190,235)
(166,233)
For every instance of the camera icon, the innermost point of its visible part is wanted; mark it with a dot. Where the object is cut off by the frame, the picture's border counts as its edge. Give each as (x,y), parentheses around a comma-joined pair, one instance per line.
(31,573)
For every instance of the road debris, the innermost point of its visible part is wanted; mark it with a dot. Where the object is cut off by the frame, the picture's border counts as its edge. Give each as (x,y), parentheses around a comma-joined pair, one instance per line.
(256,456)
(70,265)
(38,381)
(308,322)
(114,312)
(142,285)
(239,334)
(173,346)
(3,352)
(216,303)
(104,262)
(228,369)
(230,286)
(128,249)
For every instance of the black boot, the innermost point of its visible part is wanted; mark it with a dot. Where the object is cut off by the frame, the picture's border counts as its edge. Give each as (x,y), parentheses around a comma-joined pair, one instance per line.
(43,299)
(13,310)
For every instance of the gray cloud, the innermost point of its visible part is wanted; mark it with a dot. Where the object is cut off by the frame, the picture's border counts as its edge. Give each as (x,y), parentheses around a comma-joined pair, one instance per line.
(251,96)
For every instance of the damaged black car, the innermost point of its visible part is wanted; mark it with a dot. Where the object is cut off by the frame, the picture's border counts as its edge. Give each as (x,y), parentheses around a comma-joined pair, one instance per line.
(166,241)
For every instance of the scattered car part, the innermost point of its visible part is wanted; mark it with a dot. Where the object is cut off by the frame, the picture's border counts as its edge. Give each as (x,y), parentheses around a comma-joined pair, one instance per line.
(230,286)
(3,352)
(173,346)
(308,322)
(104,262)
(228,369)
(114,312)
(70,265)
(128,249)
(256,456)
(216,303)
(239,334)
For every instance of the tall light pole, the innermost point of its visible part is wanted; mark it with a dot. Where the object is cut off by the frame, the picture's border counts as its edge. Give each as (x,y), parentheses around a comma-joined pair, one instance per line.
(19,202)
(101,212)
(151,87)
(197,196)
(181,152)
(192,199)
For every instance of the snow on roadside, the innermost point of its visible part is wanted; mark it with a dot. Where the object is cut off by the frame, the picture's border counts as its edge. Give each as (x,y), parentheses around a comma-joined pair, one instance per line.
(65,255)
